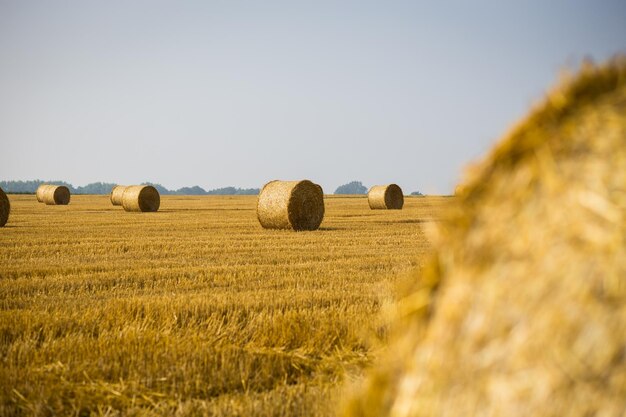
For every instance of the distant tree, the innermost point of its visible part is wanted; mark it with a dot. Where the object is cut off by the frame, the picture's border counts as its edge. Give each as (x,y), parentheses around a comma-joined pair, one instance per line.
(30,187)
(223,191)
(95,188)
(234,191)
(195,190)
(417,193)
(354,187)
(20,187)
(248,191)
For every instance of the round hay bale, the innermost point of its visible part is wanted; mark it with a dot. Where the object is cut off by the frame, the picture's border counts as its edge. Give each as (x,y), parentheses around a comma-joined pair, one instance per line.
(5,208)
(116,194)
(41,190)
(141,198)
(385,197)
(56,195)
(297,205)
(522,309)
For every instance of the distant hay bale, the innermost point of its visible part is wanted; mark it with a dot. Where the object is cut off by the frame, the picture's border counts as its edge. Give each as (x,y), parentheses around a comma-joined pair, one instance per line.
(522,311)
(385,197)
(116,194)
(141,198)
(55,195)
(5,208)
(41,191)
(297,205)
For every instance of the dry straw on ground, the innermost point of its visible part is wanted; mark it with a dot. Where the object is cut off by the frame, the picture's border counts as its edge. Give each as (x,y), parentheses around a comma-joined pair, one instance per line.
(141,198)
(297,205)
(116,194)
(523,308)
(5,208)
(55,195)
(385,197)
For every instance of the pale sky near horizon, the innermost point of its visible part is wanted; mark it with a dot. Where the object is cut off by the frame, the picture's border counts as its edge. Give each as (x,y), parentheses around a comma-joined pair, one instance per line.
(233,93)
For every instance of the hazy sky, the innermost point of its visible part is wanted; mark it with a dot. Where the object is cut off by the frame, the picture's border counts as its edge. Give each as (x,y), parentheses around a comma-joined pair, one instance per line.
(219,93)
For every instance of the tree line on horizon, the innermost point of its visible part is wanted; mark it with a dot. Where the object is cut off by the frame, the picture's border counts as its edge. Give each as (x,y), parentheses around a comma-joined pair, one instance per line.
(30,187)
(357,187)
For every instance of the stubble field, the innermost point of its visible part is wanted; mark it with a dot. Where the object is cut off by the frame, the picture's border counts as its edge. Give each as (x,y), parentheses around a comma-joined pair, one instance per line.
(195,309)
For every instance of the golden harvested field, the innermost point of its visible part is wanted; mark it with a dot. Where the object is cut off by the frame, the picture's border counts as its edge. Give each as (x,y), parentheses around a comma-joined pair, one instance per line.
(195,309)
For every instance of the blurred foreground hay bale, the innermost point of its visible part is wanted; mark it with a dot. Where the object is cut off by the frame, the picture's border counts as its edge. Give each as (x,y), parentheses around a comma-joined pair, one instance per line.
(54,195)
(385,197)
(297,205)
(5,208)
(116,194)
(141,198)
(523,309)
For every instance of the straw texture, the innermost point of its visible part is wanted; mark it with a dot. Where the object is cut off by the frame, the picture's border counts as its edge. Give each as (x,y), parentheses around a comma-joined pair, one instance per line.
(40,192)
(141,198)
(56,195)
(116,194)
(385,197)
(297,205)
(522,311)
(5,208)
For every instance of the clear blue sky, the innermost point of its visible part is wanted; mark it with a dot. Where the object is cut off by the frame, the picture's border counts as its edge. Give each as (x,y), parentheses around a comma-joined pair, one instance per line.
(218,93)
